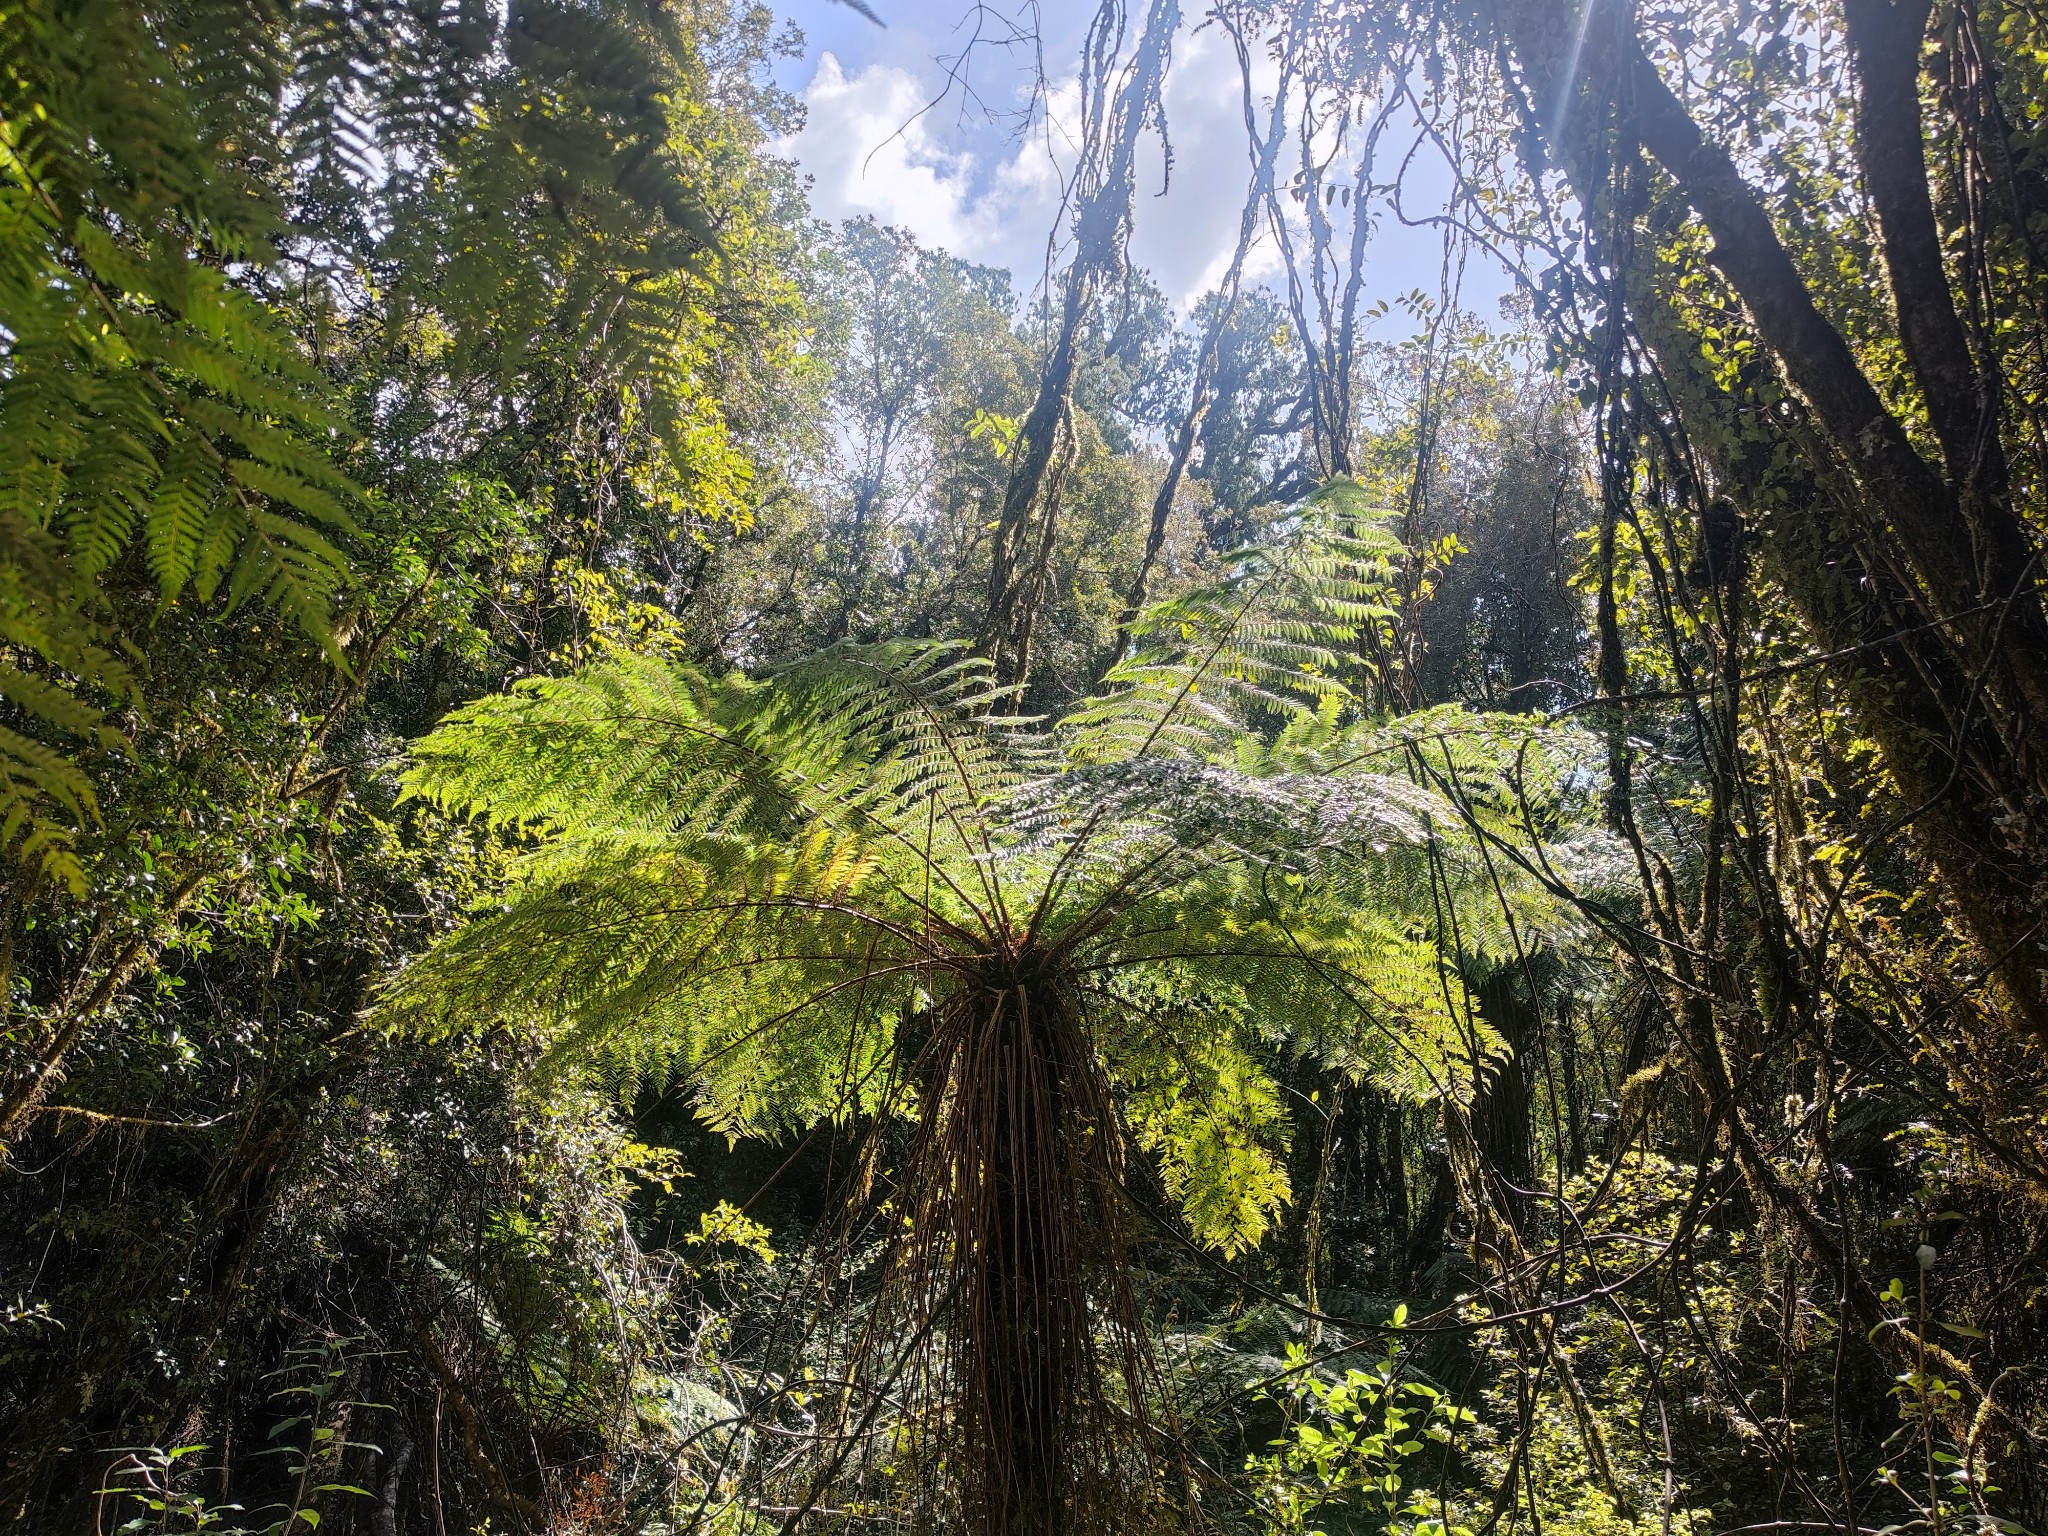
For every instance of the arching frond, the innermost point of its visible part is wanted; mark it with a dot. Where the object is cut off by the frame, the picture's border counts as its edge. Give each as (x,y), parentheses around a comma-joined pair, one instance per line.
(754,969)
(921,749)
(44,795)
(635,752)
(1202,1103)
(1273,637)
(1515,797)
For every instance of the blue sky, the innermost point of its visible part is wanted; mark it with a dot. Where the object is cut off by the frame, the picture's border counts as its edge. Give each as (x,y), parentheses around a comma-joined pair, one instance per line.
(962,176)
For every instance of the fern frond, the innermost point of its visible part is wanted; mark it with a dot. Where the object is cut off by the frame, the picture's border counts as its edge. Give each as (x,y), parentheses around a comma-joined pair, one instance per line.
(756,969)
(1274,637)
(639,750)
(1204,1106)
(749,881)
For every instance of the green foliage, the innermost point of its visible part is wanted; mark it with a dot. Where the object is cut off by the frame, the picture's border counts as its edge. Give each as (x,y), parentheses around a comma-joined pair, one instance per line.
(212,218)
(1275,634)
(148,401)
(754,883)
(464,344)
(276,284)
(861,889)
(150,1477)
(310,1438)
(1369,1451)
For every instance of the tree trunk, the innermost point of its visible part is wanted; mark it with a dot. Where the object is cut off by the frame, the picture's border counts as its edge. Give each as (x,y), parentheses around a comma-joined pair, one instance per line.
(1501,1122)
(1188,434)
(1016,1246)
(1106,182)
(1928,585)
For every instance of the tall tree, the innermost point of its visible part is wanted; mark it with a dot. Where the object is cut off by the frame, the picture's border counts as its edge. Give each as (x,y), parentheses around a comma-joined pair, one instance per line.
(920,324)
(1120,100)
(1221,310)
(1945,606)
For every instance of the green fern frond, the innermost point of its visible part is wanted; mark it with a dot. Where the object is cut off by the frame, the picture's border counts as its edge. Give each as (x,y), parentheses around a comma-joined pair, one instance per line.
(1273,638)
(638,751)
(44,795)
(1297,911)
(1206,1108)
(789,978)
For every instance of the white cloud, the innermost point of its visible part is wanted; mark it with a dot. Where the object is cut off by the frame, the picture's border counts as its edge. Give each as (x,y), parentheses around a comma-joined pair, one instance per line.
(874,144)
(1185,238)
(871,148)
(981,192)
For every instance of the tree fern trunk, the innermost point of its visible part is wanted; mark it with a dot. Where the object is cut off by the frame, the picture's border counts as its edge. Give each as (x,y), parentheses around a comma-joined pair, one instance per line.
(1502,1126)
(1030,1306)
(1017,1162)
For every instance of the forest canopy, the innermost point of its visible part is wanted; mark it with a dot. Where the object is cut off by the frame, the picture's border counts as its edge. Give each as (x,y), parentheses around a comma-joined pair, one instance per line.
(672,867)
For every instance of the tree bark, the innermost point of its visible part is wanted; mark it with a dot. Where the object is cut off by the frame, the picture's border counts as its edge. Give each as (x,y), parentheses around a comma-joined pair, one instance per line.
(1976,573)
(1939,608)
(1903,685)
(1961,397)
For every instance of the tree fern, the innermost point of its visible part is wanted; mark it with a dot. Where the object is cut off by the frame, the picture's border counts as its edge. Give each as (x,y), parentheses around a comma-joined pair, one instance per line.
(860,887)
